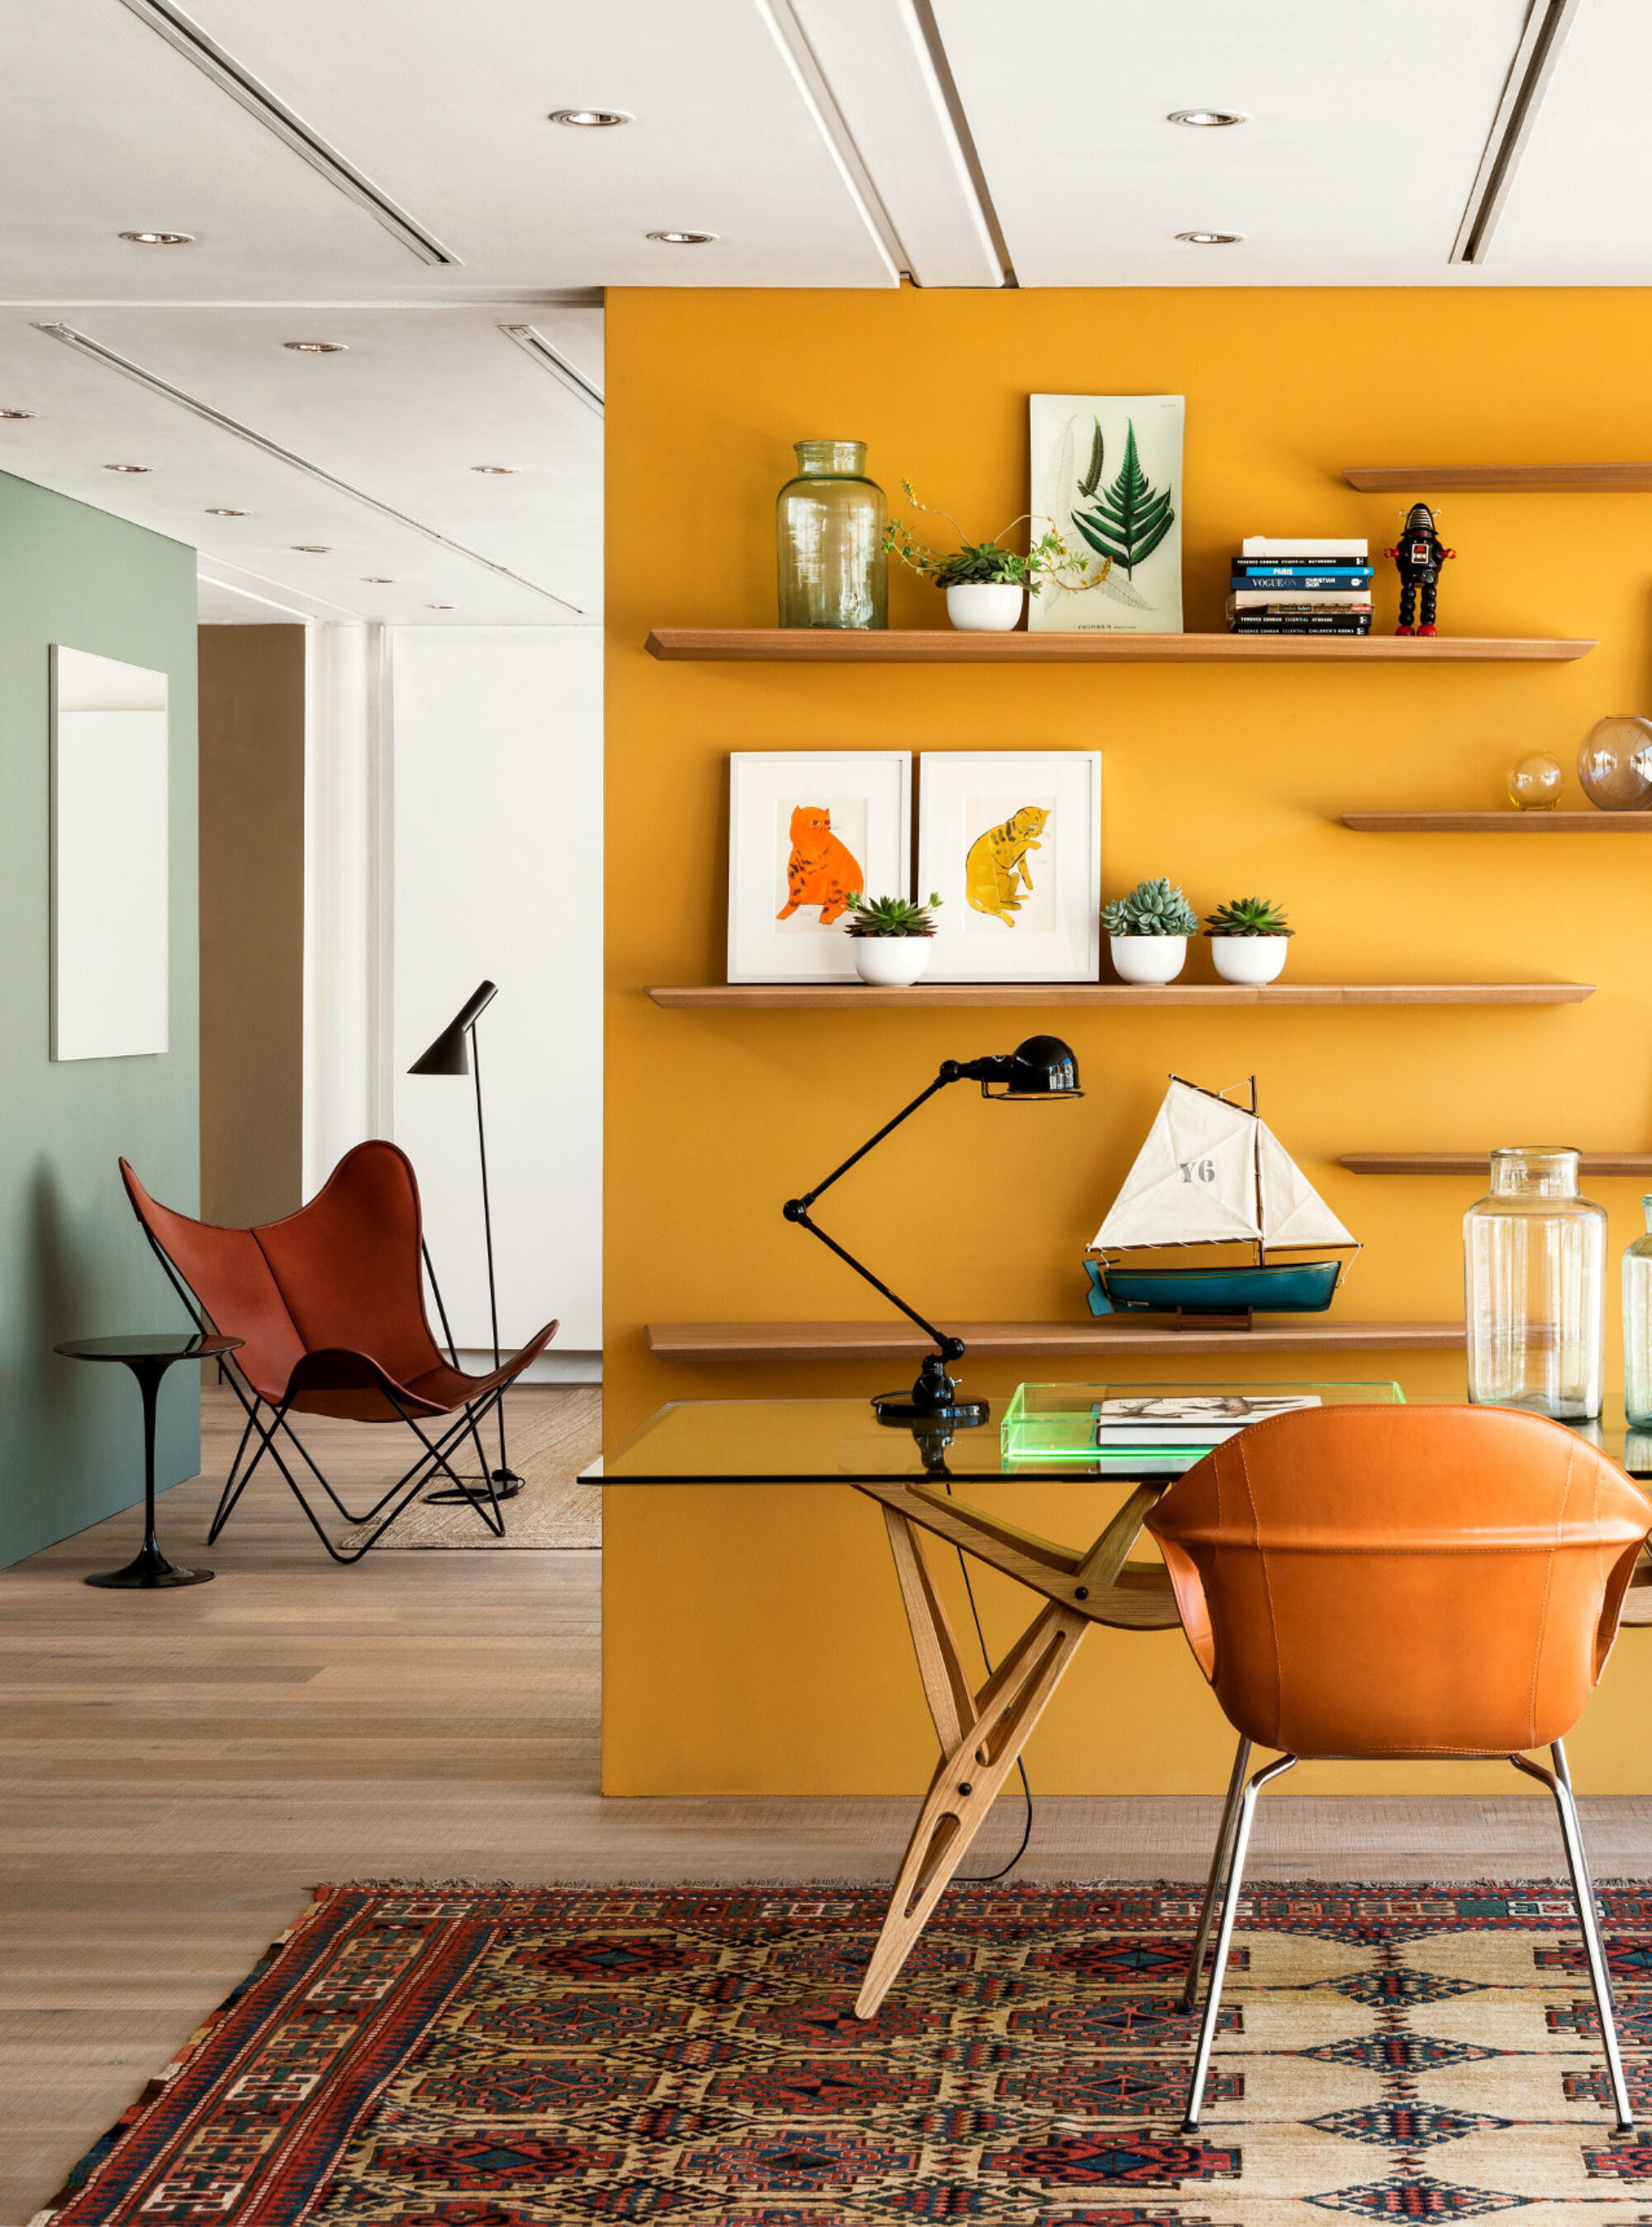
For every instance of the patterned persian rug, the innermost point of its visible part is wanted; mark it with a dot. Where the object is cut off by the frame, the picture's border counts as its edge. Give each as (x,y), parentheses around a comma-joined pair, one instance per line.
(457,2057)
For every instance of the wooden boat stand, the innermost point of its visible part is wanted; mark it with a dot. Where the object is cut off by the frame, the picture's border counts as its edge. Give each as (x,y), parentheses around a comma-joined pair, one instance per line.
(1244,1319)
(982,1733)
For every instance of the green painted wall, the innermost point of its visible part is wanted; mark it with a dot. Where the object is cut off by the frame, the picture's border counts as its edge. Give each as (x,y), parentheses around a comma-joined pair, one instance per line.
(72,1260)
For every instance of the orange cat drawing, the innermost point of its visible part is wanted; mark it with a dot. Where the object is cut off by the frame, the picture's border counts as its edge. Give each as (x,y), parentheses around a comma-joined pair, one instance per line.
(821,871)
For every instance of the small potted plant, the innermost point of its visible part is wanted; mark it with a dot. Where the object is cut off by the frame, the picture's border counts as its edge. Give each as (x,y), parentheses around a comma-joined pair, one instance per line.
(986,584)
(1248,937)
(1148,931)
(891,936)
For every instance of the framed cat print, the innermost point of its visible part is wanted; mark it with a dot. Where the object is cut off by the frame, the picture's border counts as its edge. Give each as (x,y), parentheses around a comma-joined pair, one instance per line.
(807,832)
(1011,841)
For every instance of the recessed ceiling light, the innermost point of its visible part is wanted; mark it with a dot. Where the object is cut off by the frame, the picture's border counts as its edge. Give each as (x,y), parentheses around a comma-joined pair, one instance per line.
(160,238)
(1211,239)
(313,548)
(16,413)
(590,119)
(316,347)
(494,471)
(1206,120)
(216,511)
(125,468)
(683,239)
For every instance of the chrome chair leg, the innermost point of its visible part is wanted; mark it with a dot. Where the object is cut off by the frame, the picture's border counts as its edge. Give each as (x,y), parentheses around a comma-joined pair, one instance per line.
(1218,1871)
(1558,1781)
(1224,1938)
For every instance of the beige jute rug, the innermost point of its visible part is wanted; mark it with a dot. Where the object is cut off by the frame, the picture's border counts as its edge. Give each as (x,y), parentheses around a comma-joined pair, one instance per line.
(552,1432)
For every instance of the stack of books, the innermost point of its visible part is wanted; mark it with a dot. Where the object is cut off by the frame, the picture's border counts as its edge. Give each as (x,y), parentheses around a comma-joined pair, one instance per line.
(1184,1421)
(1294,585)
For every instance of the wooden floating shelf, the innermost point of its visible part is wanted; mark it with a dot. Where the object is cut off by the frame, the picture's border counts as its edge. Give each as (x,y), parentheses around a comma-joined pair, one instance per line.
(1505,822)
(894,1340)
(856,998)
(942,646)
(1477,1164)
(1503,479)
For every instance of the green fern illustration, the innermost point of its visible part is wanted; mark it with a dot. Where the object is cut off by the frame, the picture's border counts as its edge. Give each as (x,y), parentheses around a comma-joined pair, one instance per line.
(1092,479)
(1130,519)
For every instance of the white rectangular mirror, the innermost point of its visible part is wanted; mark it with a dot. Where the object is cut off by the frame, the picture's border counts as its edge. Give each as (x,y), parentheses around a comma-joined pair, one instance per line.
(109,946)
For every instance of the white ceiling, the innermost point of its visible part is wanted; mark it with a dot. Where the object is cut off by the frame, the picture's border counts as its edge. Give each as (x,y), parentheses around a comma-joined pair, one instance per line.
(826,143)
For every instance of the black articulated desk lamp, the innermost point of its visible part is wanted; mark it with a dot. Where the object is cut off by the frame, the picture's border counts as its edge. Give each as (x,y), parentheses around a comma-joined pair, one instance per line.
(1039,1070)
(454,1052)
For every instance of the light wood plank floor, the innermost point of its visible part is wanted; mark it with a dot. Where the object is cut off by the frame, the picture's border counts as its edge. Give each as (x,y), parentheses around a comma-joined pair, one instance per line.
(179,1768)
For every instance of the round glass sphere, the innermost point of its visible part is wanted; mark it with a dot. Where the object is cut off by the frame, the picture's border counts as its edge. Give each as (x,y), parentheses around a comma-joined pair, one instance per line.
(1615,763)
(1535,783)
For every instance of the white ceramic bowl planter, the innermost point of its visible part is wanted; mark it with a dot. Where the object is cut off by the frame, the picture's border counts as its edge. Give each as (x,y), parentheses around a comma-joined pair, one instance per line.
(986,607)
(890,962)
(1252,959)
(1148,958)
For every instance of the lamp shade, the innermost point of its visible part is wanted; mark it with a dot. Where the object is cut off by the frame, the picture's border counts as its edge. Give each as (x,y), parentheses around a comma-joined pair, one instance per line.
(450,1053)
(1043,1067)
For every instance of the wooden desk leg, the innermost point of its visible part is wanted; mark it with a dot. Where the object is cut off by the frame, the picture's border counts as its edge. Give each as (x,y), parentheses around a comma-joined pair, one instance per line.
(981,1735)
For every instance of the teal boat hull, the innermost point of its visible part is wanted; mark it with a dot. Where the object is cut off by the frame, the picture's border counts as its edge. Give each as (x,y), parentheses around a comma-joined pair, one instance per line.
(1290,1287)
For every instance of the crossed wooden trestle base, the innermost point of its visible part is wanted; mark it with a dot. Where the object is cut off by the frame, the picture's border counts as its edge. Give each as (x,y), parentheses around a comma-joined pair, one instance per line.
(983,1732)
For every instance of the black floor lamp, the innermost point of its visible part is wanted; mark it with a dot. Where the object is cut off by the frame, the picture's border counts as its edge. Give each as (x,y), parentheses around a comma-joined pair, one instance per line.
(455,1052)
(1040,1070)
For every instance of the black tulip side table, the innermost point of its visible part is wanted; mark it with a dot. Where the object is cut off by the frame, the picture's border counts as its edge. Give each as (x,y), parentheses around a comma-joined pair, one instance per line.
(149,1358)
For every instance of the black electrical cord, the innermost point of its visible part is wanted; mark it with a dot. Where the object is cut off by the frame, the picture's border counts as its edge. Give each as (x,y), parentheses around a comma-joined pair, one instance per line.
(987,1878)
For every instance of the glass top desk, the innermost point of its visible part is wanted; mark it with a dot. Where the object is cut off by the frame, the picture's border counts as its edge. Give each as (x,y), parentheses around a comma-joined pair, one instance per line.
(922,1476)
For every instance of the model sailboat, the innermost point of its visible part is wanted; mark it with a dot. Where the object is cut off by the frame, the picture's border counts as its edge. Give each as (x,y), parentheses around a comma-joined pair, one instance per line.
(1213,1173)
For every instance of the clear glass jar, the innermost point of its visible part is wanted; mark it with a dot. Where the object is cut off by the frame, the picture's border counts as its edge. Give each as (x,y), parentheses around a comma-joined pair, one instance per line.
(1638,1327)
(1535,1277)
(829,521)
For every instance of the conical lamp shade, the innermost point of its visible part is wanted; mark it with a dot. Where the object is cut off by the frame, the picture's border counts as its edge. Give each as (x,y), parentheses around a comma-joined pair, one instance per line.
(450,1053)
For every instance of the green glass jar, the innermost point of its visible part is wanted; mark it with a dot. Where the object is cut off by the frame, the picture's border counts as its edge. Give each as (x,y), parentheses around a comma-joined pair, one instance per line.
(1638,1327)
(829,521)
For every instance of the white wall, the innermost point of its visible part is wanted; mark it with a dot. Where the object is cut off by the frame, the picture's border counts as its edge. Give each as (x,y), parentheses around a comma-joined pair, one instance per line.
(491,811)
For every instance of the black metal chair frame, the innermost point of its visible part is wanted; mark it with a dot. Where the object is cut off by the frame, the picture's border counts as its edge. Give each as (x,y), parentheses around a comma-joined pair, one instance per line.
(432,1462)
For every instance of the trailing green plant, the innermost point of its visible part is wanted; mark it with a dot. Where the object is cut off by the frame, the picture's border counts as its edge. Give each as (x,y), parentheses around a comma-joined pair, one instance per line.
(1247,916)
(1152,907)
(1131,517)
(892,916)
(987,563)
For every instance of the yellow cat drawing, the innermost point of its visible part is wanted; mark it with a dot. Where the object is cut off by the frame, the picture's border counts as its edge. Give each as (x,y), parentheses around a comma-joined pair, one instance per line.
(996,872)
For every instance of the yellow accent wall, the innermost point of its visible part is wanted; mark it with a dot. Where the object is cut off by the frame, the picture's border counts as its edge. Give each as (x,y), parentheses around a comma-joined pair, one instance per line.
(754,1641)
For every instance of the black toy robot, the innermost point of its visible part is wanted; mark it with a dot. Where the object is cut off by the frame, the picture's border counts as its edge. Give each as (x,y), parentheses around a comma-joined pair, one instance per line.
(1420,553)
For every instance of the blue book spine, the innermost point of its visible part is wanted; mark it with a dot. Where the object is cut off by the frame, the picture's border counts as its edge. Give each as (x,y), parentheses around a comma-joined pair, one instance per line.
(1302,576)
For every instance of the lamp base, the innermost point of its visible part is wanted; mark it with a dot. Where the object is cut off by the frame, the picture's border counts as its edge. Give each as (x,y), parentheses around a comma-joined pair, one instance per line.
(900,1408)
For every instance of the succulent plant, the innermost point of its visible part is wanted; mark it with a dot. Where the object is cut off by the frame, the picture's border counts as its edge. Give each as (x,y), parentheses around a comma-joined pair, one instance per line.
(1247,916)
(1153,908)
(892,916)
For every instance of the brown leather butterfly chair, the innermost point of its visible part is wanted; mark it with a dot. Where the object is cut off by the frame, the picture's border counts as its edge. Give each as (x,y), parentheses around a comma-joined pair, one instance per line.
(329,1307)
(1400,1583)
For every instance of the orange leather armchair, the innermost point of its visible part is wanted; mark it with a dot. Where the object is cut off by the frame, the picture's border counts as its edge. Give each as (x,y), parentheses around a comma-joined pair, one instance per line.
(329,1307)
(1385,1583)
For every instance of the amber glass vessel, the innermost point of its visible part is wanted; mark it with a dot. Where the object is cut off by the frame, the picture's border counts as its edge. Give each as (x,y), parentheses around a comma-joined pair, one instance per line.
(830,520)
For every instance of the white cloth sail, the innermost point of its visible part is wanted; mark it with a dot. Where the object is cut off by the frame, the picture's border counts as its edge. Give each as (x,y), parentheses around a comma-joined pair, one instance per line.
(1196,1182)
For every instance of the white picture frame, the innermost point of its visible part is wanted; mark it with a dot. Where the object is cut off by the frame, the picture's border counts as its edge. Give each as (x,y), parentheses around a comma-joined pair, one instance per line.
(787,917)
(1021,897)
(1097,460)
(111,931)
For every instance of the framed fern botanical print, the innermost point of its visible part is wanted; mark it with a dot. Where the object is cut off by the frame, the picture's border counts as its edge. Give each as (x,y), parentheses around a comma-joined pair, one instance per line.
(808,830)
(1010,841)
(1106,469)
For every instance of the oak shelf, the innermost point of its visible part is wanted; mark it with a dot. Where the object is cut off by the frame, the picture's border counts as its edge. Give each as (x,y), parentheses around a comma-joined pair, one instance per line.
(856,998)
(1476,1164)
(942,646)
(1506,821)
(1503,479)
(1110,1341)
